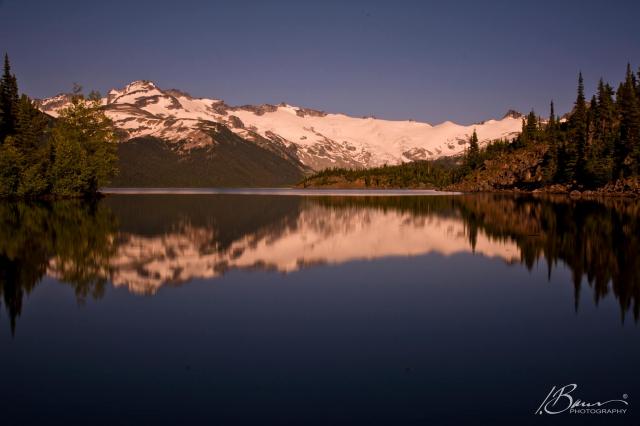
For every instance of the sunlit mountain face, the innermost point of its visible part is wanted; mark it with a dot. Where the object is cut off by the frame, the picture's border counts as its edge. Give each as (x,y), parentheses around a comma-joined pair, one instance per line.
(302,136)
(144,242)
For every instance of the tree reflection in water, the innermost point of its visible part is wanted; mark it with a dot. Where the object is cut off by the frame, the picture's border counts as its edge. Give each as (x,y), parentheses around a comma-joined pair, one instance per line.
(121,239)
(71,240)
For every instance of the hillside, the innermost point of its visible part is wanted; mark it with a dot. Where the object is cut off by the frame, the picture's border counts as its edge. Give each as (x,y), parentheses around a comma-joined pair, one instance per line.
(233,162)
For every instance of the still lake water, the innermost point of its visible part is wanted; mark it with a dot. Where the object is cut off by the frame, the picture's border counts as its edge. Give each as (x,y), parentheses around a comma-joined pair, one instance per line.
(268,309)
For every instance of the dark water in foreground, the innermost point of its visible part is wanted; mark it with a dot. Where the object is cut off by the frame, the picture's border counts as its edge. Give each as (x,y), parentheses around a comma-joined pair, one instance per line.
(259,309)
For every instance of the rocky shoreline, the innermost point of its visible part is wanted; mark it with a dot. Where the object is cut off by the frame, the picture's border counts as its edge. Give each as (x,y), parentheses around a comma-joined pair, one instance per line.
(628,187)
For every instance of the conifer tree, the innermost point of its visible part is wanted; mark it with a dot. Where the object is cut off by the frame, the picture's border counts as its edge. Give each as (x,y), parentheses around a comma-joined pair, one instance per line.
(551,137)
(551,128)
(10,161)
(578,134)
(627,148)
(30,125)
(531,128)
(522,138)
(473,155)
(603,135)
(2,135)
(8,101)
(551,125)
(604,119)
(30,140)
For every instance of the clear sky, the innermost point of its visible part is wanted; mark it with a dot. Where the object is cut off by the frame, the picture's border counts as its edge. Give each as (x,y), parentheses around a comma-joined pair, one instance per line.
(464,61)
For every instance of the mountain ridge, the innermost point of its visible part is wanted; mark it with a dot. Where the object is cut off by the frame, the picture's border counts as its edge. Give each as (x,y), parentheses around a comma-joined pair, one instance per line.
(309,139)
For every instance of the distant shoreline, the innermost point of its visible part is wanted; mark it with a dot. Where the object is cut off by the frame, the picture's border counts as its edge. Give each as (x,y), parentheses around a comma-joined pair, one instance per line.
(370,192)
(626,189)
(277,191)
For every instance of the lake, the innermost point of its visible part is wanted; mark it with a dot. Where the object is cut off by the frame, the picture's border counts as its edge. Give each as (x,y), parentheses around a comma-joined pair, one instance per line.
(263,307)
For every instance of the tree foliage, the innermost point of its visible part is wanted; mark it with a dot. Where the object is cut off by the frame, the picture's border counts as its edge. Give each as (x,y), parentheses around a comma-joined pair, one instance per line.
(419,174)
(84,149)
(472,159)
(598,142)
(71,156)
(8,101)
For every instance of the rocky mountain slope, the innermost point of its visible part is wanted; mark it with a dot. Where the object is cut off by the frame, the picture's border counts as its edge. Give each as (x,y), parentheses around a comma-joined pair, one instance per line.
(306,139)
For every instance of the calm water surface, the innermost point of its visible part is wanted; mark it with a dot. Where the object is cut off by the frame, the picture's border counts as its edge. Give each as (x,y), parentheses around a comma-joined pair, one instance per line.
(262,309)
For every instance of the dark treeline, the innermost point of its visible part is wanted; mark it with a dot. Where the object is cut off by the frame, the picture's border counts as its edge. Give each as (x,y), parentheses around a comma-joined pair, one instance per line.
(597,143)
(70,156)
(427,173)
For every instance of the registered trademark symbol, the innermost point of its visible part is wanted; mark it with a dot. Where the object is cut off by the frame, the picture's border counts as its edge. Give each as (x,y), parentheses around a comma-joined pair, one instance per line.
(625,396)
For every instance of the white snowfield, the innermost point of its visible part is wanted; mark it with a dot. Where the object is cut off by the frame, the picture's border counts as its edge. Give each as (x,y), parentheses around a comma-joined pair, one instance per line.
(317,139)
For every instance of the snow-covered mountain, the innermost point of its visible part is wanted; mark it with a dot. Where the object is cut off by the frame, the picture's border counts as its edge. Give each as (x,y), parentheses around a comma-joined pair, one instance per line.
(305,137)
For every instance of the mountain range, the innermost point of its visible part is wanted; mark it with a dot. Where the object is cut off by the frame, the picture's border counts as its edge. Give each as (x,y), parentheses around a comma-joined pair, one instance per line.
(170,138)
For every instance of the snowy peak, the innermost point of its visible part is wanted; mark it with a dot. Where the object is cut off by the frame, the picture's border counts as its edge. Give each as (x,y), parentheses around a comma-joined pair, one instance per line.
(54,104)
(512,113)
(316,139)
(133,91)
(135,86)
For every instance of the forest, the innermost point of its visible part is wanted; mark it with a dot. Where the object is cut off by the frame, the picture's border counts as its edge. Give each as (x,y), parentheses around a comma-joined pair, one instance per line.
(41,157)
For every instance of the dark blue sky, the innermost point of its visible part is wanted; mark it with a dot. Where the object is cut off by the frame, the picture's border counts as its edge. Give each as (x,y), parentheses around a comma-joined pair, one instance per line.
(464,61)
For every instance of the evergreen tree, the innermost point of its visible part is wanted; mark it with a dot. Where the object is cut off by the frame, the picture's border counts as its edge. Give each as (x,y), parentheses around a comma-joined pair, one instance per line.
(2,126)
(531,127)
(627,148)
(551,125)
(8,101)
(592,117)
(605,117)
(551,135)
(600,162)
(10,161)
(522,139)
(30,125)
(31,141)
(578,134)
(473,155)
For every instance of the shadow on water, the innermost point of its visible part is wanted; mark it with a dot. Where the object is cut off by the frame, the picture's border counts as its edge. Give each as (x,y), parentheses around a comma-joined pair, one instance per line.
(143,242)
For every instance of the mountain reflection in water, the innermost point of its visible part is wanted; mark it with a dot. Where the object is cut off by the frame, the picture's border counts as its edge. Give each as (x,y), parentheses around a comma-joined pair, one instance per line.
(143,242)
